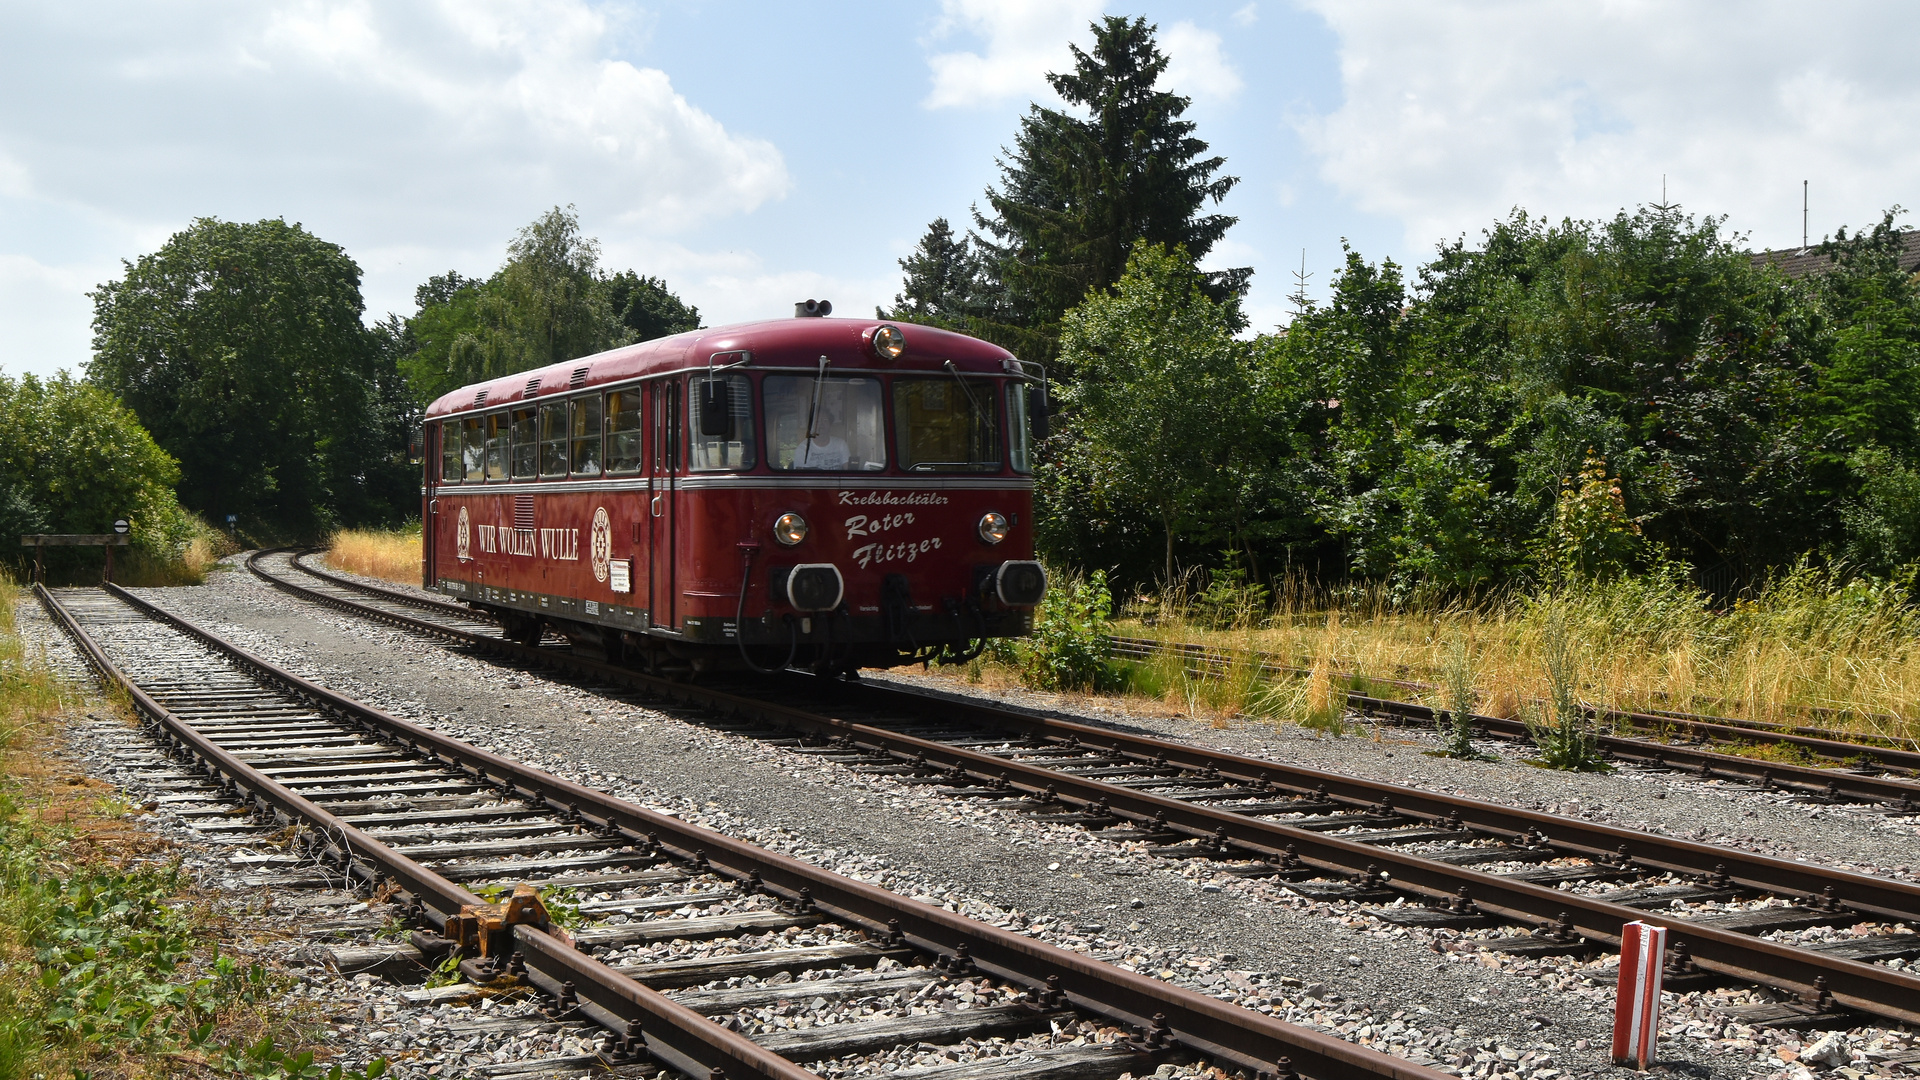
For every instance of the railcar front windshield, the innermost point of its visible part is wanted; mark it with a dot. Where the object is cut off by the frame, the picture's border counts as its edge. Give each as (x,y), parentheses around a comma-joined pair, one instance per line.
(831,424)
(946,423)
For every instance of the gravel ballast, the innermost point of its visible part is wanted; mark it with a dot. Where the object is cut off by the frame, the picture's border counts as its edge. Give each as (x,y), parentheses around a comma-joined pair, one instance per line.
(1421,994)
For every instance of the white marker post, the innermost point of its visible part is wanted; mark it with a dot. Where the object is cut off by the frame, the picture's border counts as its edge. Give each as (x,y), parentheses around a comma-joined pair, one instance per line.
(1636,1010)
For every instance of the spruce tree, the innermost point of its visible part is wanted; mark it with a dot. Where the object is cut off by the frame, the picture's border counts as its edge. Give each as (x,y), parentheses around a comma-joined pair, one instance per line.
(943,284)
(1077,193)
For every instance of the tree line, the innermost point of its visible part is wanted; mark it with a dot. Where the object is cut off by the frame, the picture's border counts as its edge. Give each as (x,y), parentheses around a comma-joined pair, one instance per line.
(241,348)
(1572,397)
(1580,397)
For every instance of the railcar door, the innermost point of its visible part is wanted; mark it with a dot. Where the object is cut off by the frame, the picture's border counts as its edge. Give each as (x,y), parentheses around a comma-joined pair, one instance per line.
(662,581)
(430,467)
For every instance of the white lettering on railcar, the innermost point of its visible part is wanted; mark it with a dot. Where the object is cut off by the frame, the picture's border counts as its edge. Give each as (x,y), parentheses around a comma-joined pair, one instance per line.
(873,554)
(560,544)
(892,498)
(862,525)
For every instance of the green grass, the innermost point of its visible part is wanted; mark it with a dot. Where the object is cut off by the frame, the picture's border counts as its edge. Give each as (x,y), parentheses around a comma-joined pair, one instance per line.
(110,962)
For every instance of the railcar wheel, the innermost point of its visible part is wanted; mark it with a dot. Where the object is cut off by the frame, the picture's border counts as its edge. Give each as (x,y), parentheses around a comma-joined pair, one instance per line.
(526,629)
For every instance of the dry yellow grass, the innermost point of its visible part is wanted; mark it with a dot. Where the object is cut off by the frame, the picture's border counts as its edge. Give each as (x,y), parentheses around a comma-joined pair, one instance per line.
(394,556)
(1808,642)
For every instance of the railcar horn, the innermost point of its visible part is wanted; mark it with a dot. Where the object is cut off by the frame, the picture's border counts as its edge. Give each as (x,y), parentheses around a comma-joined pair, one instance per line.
(715,407)
(812,309)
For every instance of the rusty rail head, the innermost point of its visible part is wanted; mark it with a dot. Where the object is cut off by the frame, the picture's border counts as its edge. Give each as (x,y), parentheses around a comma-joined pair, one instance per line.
(672,1033)
(1884,749)
(1606,843)
(1864,987)
(1249,1039)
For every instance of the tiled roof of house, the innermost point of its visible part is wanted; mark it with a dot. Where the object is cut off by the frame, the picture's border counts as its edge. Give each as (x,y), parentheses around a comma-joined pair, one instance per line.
(1799,262)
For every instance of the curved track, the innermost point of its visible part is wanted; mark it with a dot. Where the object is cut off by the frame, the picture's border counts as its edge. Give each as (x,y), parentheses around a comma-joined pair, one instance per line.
(1330,835)
(380,802)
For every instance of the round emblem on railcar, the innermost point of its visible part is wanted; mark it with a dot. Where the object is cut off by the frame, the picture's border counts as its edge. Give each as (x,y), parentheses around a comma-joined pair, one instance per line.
(463,538)
(602,542)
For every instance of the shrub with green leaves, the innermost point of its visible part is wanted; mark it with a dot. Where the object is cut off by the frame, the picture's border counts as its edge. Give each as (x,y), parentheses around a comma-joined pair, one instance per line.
(1072,634)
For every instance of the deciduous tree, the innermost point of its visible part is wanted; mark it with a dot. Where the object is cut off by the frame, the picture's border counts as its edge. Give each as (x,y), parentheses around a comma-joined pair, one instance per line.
(240,347)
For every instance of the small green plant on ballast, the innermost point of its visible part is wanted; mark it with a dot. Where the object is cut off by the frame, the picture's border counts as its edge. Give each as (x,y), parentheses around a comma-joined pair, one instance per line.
(1564,736)
(1072,635)
(1454,704)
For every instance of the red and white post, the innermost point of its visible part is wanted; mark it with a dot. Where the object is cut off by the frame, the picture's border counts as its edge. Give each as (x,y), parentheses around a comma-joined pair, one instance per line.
(1636,1011)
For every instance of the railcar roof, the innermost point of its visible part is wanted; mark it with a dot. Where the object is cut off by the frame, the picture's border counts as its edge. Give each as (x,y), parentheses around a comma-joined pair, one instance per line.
(774,343)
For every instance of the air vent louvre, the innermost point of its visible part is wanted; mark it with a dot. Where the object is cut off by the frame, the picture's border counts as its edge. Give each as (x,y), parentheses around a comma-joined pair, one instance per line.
(523,511)
(579,378)
(480,398)
(533,387)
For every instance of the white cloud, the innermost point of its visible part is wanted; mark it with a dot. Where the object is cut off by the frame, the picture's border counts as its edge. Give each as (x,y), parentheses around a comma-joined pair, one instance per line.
(439,107)
(1247,15)
(1025,39)
(416,133)
(1457,111)
(1196,66)
(45,314)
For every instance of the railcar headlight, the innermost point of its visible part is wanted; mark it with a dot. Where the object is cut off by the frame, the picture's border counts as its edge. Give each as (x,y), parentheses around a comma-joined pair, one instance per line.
(889,343)
(993,527)
(789,528)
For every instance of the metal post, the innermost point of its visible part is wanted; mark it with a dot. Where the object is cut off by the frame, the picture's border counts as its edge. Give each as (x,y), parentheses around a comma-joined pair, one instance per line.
(109,577)
(39,574)
(1636,1016)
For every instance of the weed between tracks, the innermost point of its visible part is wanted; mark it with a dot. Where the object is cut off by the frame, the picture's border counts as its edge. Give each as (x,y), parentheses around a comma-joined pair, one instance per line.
(393,555)
(1808,642)
(112,963)
(1810,648)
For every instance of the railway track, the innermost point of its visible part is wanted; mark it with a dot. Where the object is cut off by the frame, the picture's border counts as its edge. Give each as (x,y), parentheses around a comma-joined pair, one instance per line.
(1854,770)
(1448,862)
(431,823)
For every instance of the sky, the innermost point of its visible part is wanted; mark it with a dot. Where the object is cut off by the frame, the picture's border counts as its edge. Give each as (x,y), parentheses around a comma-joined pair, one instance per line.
(755,154)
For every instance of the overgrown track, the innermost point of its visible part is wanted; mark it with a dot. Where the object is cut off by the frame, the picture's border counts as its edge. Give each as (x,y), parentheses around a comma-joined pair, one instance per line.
(1863,771)
(382,801)
(1271,819)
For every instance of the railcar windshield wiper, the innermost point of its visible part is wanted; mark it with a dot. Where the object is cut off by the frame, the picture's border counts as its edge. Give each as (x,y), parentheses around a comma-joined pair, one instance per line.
(964,388)
(813,410)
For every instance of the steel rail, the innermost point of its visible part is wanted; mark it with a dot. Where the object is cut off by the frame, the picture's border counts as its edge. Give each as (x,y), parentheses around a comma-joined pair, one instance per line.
(1863,987)
(1055,976)
(1708,764)
(1811,780)
(1818,741)
(673,1033)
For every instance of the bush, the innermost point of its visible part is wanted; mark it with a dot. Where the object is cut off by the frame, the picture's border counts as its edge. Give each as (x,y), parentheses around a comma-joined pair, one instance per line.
(1072,634)
(72,460)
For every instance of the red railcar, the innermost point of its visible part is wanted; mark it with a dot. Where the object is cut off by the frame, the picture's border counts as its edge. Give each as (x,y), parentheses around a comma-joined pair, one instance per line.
(829,493)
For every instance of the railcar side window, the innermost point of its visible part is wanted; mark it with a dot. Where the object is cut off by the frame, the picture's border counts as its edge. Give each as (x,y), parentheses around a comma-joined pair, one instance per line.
(526,444)
(498,434)
(585,426)
(473,449)
(735,449)
(553,439)
(450,468)
(846,417)
(626,432)
(1020,427)
(946,424)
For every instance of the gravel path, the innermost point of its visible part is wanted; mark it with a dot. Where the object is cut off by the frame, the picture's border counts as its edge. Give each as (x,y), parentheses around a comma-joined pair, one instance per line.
(1431,996)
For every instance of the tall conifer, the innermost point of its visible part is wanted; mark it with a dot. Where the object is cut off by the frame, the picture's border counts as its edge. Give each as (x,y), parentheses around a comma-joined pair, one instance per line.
(1076,193)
